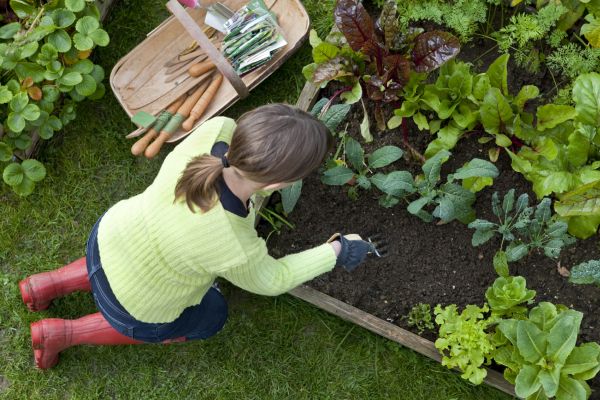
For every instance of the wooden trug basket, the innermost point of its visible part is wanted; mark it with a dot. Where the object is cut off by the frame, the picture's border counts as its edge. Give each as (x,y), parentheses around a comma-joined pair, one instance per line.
(140,75)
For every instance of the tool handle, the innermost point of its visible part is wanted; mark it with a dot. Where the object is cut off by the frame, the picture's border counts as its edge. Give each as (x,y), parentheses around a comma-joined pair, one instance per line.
(175,122)
(200,68)
(142,143)
(154,147)
(188,104)
(202,103)
(139,146)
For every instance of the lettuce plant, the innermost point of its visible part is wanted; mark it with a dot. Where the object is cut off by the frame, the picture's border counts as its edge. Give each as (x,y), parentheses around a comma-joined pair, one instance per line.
(506,295)
(537,348)
(378,56)
(464,341)
(525,228)
(586,273)
(419,316)
(541,355)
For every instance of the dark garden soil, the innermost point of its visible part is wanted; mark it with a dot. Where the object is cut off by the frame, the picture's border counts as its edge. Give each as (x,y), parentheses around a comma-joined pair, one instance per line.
(429,263)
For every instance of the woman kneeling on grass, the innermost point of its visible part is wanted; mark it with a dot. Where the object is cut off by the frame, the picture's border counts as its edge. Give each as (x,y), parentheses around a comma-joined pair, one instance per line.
(151,260)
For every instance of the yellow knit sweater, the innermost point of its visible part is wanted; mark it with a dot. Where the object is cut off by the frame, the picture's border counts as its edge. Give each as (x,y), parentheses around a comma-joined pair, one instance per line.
(160,258)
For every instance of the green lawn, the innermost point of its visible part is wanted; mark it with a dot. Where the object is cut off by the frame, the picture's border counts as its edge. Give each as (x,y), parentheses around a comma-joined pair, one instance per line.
(271,348)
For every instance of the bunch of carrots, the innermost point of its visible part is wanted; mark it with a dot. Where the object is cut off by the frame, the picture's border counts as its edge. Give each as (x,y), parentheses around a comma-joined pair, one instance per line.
(182,113)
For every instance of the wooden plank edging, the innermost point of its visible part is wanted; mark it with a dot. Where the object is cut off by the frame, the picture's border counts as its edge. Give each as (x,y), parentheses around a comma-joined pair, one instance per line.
(387,330)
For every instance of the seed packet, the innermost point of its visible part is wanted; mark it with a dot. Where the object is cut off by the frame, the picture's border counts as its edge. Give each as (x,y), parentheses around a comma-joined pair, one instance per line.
(252,37)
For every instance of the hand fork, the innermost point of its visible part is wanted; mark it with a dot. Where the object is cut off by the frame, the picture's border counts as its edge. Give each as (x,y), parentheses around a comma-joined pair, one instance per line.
(379,245)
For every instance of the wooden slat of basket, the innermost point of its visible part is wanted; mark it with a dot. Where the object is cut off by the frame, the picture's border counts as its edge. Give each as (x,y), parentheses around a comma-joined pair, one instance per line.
(172,38)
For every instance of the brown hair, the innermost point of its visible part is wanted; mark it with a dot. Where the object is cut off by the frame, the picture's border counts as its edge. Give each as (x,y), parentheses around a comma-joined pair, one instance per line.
(274,143)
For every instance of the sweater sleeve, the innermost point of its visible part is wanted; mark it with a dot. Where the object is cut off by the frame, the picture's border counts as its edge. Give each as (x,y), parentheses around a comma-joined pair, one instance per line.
(268,276)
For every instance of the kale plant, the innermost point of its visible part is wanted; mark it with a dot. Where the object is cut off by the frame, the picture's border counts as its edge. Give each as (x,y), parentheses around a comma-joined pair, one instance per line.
(586,273)
(356,169)
(524,228)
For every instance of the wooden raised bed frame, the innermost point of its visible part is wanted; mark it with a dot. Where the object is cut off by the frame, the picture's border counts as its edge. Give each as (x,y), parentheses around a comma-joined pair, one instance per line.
(359,317)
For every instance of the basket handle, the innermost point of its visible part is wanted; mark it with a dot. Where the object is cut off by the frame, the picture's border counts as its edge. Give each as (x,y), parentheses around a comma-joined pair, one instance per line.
(213,53)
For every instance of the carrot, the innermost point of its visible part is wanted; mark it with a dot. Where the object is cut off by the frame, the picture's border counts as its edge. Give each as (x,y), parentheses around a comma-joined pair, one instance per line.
(200,68)
(139,146)
(203,102)
(182,112)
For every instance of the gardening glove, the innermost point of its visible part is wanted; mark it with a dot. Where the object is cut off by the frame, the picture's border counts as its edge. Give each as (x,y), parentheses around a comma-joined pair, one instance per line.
(353,252)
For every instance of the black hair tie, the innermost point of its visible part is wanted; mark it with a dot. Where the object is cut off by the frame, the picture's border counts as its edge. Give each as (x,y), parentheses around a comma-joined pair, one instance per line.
(224,161)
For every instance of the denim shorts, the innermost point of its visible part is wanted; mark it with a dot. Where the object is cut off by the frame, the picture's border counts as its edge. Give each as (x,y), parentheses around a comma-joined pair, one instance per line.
(195,322)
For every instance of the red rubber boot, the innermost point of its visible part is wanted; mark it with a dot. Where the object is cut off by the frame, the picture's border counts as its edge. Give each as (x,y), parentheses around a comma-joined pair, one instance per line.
(50,336)
(39,290)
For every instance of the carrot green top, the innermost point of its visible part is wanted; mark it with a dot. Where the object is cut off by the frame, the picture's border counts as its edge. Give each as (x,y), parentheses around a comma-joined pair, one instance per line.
(159,257)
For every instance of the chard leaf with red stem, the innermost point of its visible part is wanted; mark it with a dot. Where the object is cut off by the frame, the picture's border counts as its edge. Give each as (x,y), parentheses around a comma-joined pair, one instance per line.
(354,22)
(432,49)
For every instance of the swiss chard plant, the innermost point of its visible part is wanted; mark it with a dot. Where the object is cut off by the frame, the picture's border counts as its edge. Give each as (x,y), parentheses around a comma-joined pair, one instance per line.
(460,101)
(375,58)
(522,229)
(566,160)
(541,357)
(587,273)
(44,51)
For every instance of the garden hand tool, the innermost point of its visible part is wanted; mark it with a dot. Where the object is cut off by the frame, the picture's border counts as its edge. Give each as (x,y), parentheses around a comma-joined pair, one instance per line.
(203,103)
(159,123)
(354,250)
(175,122)
(177,69)
(379,245)
(196,69)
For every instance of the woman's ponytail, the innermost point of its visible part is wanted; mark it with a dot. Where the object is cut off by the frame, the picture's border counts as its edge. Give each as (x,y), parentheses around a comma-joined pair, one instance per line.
(271,144)
(198,183)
